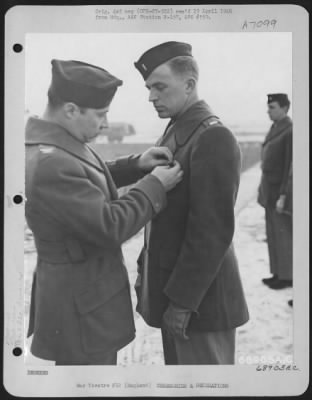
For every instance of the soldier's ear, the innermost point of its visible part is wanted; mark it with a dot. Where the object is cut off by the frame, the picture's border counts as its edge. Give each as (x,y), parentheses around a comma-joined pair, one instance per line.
(71,110)
(286,109)
(190,85)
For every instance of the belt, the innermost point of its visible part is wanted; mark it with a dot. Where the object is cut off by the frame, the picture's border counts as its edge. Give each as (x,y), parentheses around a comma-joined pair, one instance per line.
(66,251)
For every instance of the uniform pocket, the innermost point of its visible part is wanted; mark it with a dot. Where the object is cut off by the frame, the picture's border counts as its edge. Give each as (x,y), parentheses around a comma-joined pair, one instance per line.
(100,292)
(106,316)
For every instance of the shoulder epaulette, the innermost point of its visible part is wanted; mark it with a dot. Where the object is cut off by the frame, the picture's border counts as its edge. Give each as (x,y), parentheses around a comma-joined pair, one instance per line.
(212,121)
(46,149)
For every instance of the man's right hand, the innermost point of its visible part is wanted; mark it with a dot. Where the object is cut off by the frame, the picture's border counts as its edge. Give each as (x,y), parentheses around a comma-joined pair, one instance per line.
(169,176)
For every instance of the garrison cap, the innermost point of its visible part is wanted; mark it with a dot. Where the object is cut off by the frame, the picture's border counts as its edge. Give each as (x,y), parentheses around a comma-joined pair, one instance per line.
(159,54)
(84,84)
(281,98)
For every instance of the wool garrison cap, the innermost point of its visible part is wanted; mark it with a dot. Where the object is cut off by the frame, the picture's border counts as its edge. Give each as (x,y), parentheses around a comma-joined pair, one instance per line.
(158,55)
(281,98)
(84,84)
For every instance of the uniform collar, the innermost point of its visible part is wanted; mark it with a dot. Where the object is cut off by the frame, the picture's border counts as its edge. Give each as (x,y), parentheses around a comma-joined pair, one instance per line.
(285,121)
(39,131)
(186,124)
(278,127)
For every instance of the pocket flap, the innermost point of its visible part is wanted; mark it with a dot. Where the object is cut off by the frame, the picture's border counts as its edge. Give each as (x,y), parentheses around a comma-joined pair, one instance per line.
(100,292)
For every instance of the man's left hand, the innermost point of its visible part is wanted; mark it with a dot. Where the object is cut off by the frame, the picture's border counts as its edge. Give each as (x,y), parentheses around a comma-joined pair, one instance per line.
(280,204)
(176,320)
(154,157)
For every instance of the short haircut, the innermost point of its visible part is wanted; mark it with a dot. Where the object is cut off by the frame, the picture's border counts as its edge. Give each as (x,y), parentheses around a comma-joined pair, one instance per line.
(283,103)
(184,65)
(55,102)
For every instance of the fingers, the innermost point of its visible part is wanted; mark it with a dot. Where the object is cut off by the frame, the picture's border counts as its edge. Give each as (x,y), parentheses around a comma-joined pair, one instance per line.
(162,167)
(185,324)
(279,207)
(179,332)
(176,165)
(176,168)
(179,178)
(163,152)
(163,163)
(184,335)
(175,329)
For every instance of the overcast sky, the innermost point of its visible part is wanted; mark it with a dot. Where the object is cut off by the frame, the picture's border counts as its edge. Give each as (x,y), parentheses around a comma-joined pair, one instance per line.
(237,71)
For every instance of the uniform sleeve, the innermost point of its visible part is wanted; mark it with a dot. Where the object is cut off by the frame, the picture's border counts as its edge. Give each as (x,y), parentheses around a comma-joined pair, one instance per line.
(288,206)
(125,170)
(287,161)
(64,193)
(214,180)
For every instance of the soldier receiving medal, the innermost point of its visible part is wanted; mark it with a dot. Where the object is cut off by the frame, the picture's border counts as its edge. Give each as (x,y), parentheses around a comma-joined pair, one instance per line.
(188,282)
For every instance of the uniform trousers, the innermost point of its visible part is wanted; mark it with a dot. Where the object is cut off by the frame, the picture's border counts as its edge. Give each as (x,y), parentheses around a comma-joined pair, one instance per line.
(202,348)
(279,237)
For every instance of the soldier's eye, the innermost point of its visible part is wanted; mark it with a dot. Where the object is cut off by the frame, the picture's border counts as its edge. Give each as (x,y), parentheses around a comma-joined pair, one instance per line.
(160,87)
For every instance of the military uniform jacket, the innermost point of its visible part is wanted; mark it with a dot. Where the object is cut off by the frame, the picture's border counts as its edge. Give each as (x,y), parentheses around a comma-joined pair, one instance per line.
(288,207)
(276,158)
(80,304)
(188,257)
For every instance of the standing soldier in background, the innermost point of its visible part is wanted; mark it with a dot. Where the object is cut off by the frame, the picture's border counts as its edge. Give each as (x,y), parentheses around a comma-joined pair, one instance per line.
(275,192)
(189,283)
(81,310)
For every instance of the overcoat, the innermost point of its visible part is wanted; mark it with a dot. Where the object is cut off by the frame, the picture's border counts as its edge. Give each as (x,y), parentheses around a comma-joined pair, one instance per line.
(276,158)
(288,207)
(188,257)
(276,180)
(80,303)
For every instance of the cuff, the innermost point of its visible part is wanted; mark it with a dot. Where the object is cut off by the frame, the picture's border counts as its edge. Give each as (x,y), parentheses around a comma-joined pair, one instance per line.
(154,191)
(133,160)
(128,161)
(176,295)
(133,163)
(178,308)
(120,161)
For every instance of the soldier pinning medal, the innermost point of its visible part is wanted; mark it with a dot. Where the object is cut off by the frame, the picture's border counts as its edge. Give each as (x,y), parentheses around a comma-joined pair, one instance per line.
(81,310)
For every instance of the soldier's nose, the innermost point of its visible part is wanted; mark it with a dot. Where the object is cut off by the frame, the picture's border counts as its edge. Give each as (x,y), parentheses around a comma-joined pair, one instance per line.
(104,123)
(152,96)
